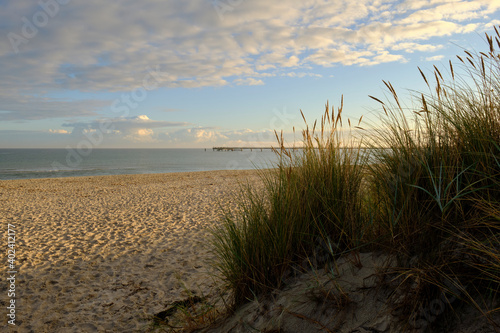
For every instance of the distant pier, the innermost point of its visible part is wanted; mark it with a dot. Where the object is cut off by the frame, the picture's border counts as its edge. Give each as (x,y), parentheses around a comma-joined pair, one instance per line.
(249,148)
(276,148)
(239,148)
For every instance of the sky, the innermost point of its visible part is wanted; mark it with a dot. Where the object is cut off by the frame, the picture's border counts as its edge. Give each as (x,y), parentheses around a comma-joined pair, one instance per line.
(200,73)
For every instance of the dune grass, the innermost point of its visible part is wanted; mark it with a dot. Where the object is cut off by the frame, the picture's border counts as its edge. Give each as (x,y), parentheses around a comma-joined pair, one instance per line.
(311,207)
(438,183)
(431,197)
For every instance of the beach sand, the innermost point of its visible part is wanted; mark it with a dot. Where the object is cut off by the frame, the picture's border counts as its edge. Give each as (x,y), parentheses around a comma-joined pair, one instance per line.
(97,254)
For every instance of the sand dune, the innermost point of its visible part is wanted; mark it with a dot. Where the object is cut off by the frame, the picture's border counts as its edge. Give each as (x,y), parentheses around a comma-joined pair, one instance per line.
(97,254)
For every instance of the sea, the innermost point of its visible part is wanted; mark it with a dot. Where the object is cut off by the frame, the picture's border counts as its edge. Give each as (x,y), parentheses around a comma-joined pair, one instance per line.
(53,163)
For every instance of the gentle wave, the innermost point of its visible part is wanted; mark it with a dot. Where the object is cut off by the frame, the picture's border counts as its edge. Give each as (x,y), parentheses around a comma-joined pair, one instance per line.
(52,163)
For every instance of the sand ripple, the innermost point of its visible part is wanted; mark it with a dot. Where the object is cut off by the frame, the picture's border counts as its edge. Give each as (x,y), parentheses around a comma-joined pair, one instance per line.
(99,254)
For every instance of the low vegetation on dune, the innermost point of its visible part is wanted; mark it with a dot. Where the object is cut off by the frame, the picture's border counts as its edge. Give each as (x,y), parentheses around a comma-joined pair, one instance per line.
(436,188)
(302,216)
(423,188)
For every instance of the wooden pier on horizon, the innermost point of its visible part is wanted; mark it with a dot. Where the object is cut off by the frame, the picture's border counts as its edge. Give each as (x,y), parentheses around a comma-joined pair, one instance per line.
(239,148)
(277,148)
(250,148)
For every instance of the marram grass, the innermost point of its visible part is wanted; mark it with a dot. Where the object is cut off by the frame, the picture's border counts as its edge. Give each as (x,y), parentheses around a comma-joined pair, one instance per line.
(431,197)
(312,197)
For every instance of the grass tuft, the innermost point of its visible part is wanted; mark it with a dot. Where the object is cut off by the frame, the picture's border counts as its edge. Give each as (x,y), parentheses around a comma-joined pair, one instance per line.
(437,184)
(430,195)
(311,206)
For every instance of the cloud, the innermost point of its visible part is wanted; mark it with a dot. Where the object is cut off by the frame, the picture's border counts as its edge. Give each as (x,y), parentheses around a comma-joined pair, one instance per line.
(412,47)
(194,135)
(260,138)
(385,56)
(456,11)
(434,58)
(301,74)
(125,124)
(203,136)
(140,131)
(249,82)
(60,131)
(93,45)
(15,107)
(331,57)
(136,129)
(141,135)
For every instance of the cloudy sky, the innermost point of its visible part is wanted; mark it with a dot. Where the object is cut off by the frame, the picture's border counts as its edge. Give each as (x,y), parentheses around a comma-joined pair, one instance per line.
(199,73)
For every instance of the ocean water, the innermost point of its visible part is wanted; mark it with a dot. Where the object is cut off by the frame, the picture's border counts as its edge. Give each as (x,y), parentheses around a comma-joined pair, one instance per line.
(51,163)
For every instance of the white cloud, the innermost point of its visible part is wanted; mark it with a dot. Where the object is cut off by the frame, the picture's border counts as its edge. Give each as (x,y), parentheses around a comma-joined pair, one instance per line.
(135,129)
(141,135)
(331,57)
(261,138)
(387,57)
(203,136)
(249,82)
(105,46)
(301,74)
(194,135)
(412,47)
(434,58)
(457,11)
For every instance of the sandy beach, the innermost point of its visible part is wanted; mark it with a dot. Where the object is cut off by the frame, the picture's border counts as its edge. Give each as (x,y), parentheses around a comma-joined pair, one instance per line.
(103,254)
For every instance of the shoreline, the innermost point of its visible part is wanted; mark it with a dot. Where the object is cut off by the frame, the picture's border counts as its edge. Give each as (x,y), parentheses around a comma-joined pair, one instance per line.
(141,174)
(105,253)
